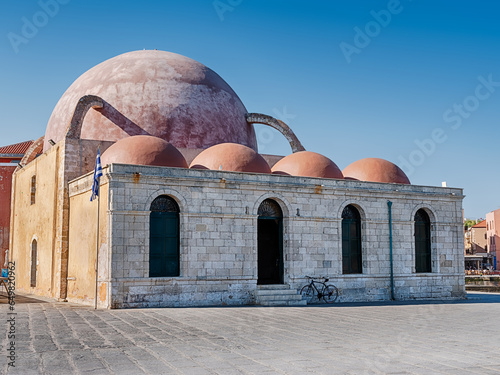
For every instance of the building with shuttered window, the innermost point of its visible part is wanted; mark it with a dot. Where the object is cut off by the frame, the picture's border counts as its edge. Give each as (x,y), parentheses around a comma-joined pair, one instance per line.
(190,214)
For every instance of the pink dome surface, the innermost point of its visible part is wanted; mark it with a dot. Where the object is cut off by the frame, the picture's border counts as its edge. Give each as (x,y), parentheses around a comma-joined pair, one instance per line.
(155,93)
(375,170)
(307,164)
(231,157)
(144,150)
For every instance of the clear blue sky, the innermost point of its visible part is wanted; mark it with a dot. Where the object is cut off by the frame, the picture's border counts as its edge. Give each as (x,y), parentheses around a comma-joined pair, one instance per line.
(354,79)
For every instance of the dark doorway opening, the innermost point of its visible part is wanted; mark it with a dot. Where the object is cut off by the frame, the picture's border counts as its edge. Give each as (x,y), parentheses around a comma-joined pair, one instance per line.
(422,242)
(351,241)
(270,243)
(164,238)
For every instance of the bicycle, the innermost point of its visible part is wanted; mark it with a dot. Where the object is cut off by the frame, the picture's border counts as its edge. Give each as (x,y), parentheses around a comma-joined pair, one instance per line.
(320,289)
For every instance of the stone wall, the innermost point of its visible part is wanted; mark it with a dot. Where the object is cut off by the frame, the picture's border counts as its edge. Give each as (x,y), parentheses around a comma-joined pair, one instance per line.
(218,244)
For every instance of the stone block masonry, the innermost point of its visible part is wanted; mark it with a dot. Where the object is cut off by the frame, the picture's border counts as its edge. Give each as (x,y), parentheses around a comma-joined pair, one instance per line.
(218,235)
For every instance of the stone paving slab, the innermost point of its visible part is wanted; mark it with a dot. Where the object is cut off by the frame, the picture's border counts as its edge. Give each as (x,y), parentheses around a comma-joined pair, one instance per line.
(440,337)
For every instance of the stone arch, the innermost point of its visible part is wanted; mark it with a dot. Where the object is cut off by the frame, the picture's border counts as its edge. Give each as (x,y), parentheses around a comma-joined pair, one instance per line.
(355,203)
(428,209)
(164,237)
(35,149)
(287,212)
(433,235)
(259,118)
(364,238)
(270,259)
(174,194)
(285,206)
(85,103)
(183,221)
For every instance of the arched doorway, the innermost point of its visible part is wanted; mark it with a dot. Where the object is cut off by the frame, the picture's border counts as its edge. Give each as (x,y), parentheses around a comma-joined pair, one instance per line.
(351,241)
(270,243)
(422,242)
(164,238)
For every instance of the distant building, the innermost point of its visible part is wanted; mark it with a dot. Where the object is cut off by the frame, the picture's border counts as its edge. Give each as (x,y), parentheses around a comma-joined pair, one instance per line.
(476,254)
(467,240)
(479,238)
(492,227)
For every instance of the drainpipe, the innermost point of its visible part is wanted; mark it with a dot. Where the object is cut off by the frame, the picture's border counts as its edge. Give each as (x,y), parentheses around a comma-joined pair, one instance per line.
(389,205)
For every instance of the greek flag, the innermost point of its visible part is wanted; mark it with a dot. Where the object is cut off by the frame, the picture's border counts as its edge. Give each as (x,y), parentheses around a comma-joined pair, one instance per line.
(97,174)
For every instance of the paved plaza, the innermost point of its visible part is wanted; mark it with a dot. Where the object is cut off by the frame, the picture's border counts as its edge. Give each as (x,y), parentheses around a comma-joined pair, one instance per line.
(374,338)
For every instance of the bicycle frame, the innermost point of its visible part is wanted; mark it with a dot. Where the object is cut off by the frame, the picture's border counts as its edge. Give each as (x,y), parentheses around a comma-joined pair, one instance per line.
(319,289)
(318,292)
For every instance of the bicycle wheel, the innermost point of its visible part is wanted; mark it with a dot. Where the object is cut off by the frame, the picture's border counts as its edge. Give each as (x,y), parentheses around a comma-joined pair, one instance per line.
(330,293)
(307,293)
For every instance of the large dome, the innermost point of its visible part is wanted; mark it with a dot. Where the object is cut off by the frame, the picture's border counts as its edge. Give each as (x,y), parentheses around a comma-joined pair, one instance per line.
(155,93)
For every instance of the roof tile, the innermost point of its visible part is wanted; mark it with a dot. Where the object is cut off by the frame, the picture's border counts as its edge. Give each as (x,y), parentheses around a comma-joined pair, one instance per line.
(16,149)
(481,224)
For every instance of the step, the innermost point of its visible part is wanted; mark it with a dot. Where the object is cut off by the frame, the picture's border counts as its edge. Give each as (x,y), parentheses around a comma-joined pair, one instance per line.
(273,287)
(285,303)
(270,297)
(483,288)
(267,292)
(278,295)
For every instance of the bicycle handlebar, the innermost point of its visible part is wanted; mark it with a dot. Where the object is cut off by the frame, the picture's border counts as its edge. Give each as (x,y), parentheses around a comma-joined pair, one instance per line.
(318,277)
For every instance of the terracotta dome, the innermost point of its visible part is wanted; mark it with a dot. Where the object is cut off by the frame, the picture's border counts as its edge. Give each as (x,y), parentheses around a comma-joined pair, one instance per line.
(231,157)
(144,150)
(307,164)
(155,93)
(375,170)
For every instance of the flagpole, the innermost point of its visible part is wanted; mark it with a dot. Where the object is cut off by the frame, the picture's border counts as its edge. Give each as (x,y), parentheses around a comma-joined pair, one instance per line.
(97,253)
(95,193)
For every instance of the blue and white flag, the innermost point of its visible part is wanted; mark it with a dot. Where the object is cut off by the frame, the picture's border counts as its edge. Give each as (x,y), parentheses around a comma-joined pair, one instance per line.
(97,174)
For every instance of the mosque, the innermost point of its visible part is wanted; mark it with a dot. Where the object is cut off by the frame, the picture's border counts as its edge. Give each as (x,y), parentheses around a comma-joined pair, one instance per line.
(190,214)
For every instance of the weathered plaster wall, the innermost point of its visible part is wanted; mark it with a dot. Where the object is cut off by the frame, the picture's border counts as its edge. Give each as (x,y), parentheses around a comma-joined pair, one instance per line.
(82,246)
(48,218)
(35,222)
(218,243)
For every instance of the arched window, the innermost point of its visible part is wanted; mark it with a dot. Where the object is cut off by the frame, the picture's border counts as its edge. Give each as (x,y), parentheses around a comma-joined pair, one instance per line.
(33,263)
(351,240)
(33,189)
(270,243)
(422,242)
(164,238)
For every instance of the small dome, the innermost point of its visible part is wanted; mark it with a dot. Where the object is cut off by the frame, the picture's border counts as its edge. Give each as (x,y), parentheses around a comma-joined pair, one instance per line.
(231,157)
(375,170)
(144,150)
(307,164)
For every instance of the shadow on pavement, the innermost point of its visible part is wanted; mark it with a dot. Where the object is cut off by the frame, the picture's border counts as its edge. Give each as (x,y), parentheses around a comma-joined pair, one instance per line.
(19,299)
(472,298)
(475,297)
